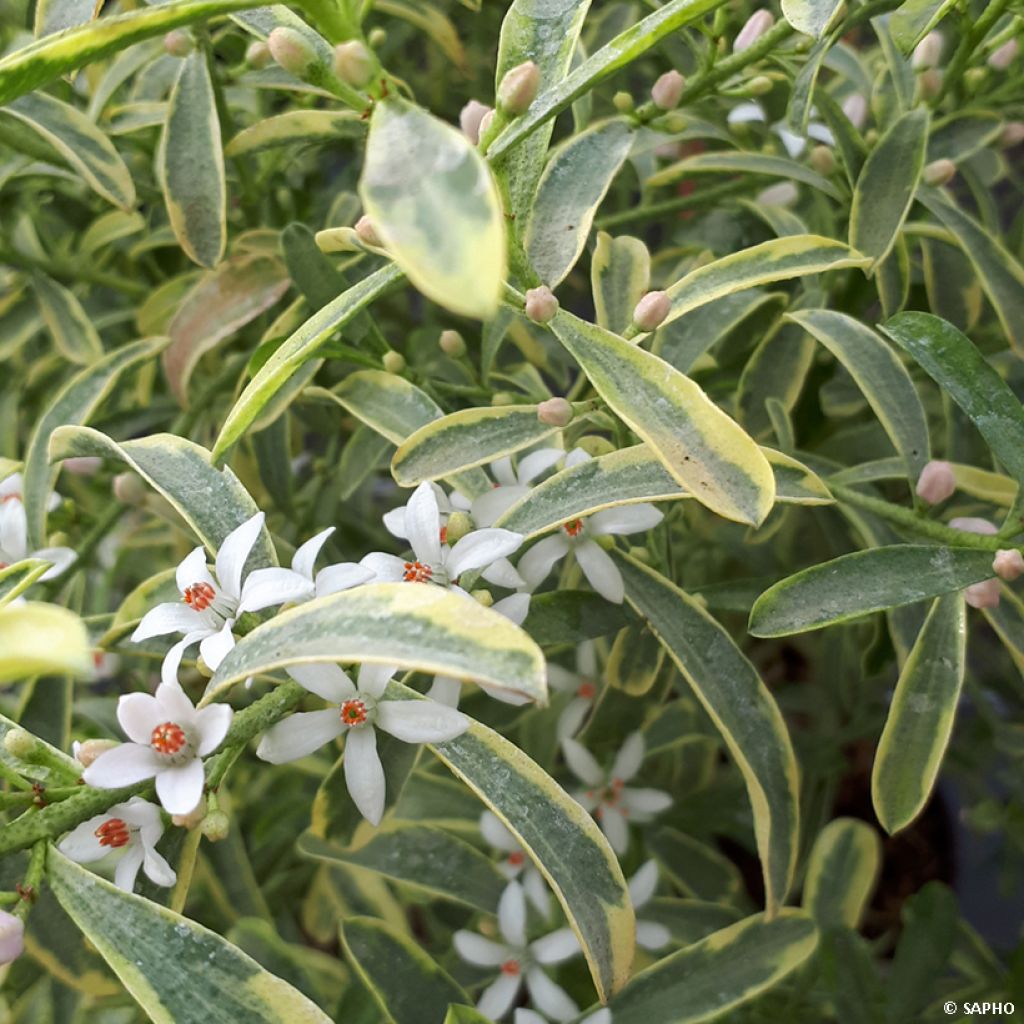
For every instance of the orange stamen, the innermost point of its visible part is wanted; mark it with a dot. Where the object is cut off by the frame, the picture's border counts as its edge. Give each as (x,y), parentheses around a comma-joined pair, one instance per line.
(168,738)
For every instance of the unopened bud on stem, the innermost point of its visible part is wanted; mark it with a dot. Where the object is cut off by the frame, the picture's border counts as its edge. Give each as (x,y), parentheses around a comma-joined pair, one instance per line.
(518,88)
(129,489)
(367,232)
(20,744)
(928,52)
(258,55)
(1004,56)
(178,43)
(757,24)
(651,310)
(1008,564)
(939,172)
(215,826)
(936,482)
(394,362)
(292,51)
(353,63)
(667,91)
(87,752)
(541,304)
(470,117)
(555,412)
(822,160)
(452,344)
(1013,134)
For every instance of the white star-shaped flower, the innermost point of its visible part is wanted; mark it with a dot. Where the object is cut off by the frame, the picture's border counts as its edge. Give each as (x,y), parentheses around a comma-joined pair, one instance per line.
(357,713)
(131,831)
(521,1016)
(582,684)
(515,865)
(520,962)
(169,739)
(332,578)
(14,531)
(211,602)
(607,796)
(513,483)
(649,934)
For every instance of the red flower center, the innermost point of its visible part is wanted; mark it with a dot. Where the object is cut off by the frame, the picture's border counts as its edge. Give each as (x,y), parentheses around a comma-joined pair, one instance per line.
(199,596)
(444,534)
(353,712)
(516,857)
(573,527)
(417,572)
(113,833)
(510,967)
(587,690)
(168,738)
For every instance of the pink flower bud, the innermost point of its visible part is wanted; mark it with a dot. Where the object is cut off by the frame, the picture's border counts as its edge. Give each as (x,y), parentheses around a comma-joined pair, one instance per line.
(1008,564)
(983,595)
(928,52)
(930,81)
(936,482)
(1003,57)
(257,55)
(757,24)
(541,304)
(129,489)
(485,124)
(555,412)
(1013,134)
(972,524)
(353,63)
(12,937)
(470,118)
(855,107)
(367,232)
(452,344)
(939,172)
(87,752)
(291,50)
(651,310)
(83,465)
(667,91)
(519,88)
(178,43)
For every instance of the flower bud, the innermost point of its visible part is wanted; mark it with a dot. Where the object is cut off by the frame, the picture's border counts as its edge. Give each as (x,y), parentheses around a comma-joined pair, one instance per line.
(518,88)
(193,818)
(452,344)
(667,91)
(485,124)
(938,172)
(129,489)
(377,37)
(871,137)
(1008,564)
(928,52)
(541,304)
(674,123)
(367,232)
(555,412)
(783,194)
(292,50)
(1004,56)
(20,744)
(936,482)
(458,525)
(983,595)
(12,937)
(641,555)
(484,597)
(353,63)
(623,103)
(257,55)
(1013,134)
(760,85)
(930,81)
(83,465)
(974,524)
(470,117)
(87,752)
(178,43)
(974,79)
(215,826)
(394,362)
(757,24)
(651,310)
(503,398)
(822,160)
(855,107)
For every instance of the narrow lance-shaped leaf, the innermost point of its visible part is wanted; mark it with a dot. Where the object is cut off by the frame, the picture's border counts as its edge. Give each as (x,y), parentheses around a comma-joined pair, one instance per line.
(16,579)
(577,177)
(914,19)
(812,17)
(705,450)
(72,331)
(742,163)
(886,185)
(435,206)
(178,971)
(841,873)
(80,143)
(297,128)
(192,164)
(866,581)
(58,15)
(921,715)
(412,626)
(880,375)
(620,274)
(74,404)
(740,706)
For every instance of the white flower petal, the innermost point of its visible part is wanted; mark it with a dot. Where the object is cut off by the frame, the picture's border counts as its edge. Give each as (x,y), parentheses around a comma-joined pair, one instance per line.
(498,997)
(505,696)
(364,774)
(554,948)
(394,523)
(266,587)
(299,735)
(325,680)
(140,813)
(341,576)
(445,690)
(175,704)
(480,548)
(305,554)
(643,884)
(81,843)
(420,721)
(570,720)
(171,617)
(576,457)
(138,715)
(172,659)
(651,935)
(537,891)
(233,553)
(744,112)
(535,565)
(215,648)
(515,607)
(181,788)
(495,834)
(625,519)
(212,724)
(496,502)
(586,659)
(629,758)
(502,471)
(60,557)
(582,764)
(562,679)
(477,950)
(644,802)
(601,572)
(512,915)
(128,868)
(503,574)
(192,569)
(12,486)
(551,999)
(423,521)
(614,826)
(531,466)
(602,1016)
(157,870)
(524,1016)
(373,679)
(385,568)
(122,766)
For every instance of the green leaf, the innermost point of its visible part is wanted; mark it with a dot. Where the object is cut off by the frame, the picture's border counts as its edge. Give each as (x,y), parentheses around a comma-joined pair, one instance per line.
(564,842)
(1001,274)
(178,971)
(192,164)
(776,260)
(886,185)
(299,348)
(212,501)
(914,19)
(841,873)
(921,715)
(80,143)
(881,377)
(961,135)
(464,439)
(697,869)
(863,582)
(742,163)
(465,1015)
(70,327)
(46,59)
(296,128)
(688,920)
(74,404)
(812,17)
(742,709)
(42,639)
(426,858)
(703,449)
(434,204)
(725,970)
(620,274)
(615,54)
(58,15)
(16,579)
(220,303)
(572,616)
(576,179)
(406,983)
(417,627)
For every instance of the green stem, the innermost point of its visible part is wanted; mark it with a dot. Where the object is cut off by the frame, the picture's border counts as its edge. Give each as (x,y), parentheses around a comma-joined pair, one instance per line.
(32,880)
(71,273)
(968,44)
